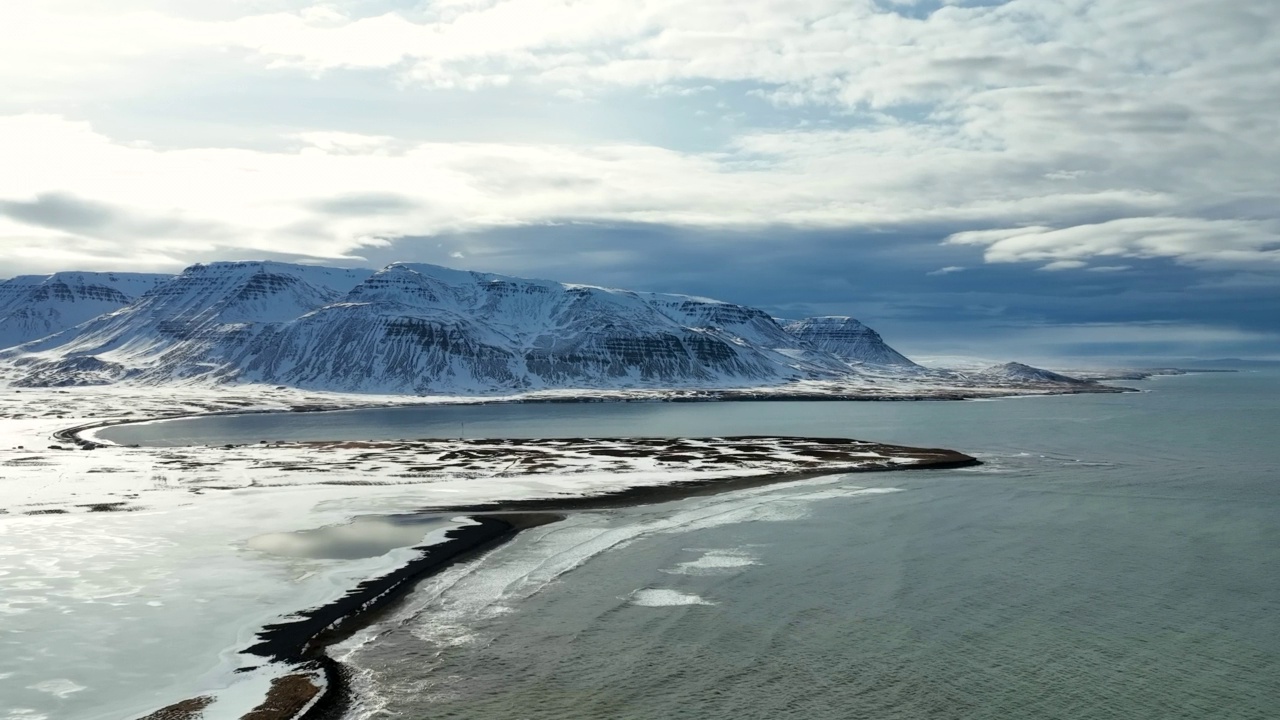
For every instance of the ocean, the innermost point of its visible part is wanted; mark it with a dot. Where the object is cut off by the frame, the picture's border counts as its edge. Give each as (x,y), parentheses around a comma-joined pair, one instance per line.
(1117,556)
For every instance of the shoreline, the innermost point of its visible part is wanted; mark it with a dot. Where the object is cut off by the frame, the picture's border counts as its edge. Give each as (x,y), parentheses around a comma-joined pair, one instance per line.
(76,435)
(314,685)
(333,688)
(303,642)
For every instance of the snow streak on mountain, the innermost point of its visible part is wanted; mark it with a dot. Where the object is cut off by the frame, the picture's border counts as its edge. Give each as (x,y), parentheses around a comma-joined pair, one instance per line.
(427,329)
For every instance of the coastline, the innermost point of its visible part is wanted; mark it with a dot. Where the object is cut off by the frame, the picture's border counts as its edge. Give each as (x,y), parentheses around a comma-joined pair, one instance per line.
(302,642)
(36,425)
(83,435)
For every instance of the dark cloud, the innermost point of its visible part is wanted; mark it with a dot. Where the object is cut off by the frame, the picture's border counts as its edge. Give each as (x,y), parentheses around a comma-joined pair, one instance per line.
(72,214)
(882,277)
(365,204)
(60,212)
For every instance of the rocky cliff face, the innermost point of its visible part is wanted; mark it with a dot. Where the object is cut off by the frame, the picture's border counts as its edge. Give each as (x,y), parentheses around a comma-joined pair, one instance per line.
(35,306)
(423,329)
(849,339)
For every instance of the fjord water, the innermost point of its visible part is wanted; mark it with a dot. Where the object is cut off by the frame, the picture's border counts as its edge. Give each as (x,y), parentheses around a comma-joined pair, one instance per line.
(1116,557)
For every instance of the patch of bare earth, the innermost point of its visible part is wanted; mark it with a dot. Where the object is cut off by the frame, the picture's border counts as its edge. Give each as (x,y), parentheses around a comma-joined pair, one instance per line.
(286,698)
(186,710)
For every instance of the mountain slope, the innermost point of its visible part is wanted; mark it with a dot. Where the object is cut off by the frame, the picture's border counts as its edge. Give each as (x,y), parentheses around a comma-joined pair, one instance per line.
(849,339)
(1016,372)
(194,325)
(424,328)
(35,306)
(412,328)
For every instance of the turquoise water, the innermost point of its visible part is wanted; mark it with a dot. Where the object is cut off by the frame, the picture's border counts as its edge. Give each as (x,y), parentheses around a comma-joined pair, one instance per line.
(1117,557)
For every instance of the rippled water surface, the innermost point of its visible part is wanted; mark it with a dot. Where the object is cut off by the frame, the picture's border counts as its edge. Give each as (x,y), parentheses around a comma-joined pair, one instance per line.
(1117,557)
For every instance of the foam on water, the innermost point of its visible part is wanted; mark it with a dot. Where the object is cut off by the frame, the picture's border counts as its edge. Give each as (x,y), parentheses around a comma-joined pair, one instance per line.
(654,597)
(549,552)
(715,562)
(1097,569)
(450,610)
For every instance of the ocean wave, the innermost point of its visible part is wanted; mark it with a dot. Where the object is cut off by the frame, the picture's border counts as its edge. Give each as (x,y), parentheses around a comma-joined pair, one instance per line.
(451,609)
(448,608)
(715,562)
(655,597)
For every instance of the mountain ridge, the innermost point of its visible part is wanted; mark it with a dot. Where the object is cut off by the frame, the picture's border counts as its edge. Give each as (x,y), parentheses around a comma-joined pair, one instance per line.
(36,306)
(849,339)
(413,328)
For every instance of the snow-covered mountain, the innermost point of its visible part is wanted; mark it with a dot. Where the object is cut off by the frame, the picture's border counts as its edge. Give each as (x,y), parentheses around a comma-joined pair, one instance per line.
(195,325)
(419,329)
(1016,372)
(34,306)
(848,339)
(426,329)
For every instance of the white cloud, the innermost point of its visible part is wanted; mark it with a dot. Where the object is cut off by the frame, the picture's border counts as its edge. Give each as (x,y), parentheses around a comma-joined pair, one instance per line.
(1066,130)
(1189,240)
(946,270)
(1059,265)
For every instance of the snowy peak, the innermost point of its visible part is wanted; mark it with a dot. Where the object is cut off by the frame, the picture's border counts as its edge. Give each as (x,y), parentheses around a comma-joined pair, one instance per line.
(523,310)
(191,326)
(415,328)
(248,292)
(847,338)
(35,306)
(425,328)
(747,323)
(1020,373)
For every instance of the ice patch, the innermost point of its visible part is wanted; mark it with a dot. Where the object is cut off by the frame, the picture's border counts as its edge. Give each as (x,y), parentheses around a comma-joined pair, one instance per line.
(848,492)
(653,597)
(715,562)
(60,688)
(25,714)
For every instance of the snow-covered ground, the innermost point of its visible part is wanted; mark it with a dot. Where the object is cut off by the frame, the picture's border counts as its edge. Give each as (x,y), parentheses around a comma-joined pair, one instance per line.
(127,577)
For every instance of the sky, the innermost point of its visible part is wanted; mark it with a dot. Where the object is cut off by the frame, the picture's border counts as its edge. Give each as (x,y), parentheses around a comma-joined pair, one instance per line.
(1029,178)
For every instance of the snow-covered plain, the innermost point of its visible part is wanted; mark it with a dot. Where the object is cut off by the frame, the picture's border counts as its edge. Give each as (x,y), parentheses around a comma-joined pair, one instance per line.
(127,579)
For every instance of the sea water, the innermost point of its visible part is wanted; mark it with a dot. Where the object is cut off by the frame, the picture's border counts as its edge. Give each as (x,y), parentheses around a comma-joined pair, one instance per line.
(1117,556)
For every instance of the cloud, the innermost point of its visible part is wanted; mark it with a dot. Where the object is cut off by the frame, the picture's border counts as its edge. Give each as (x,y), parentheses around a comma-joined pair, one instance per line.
(1195,241)
(337,193)
(1059,265)
(365,204)
(946,270)
(1057,133)
(67,213)
(59,211)
(1137,333)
